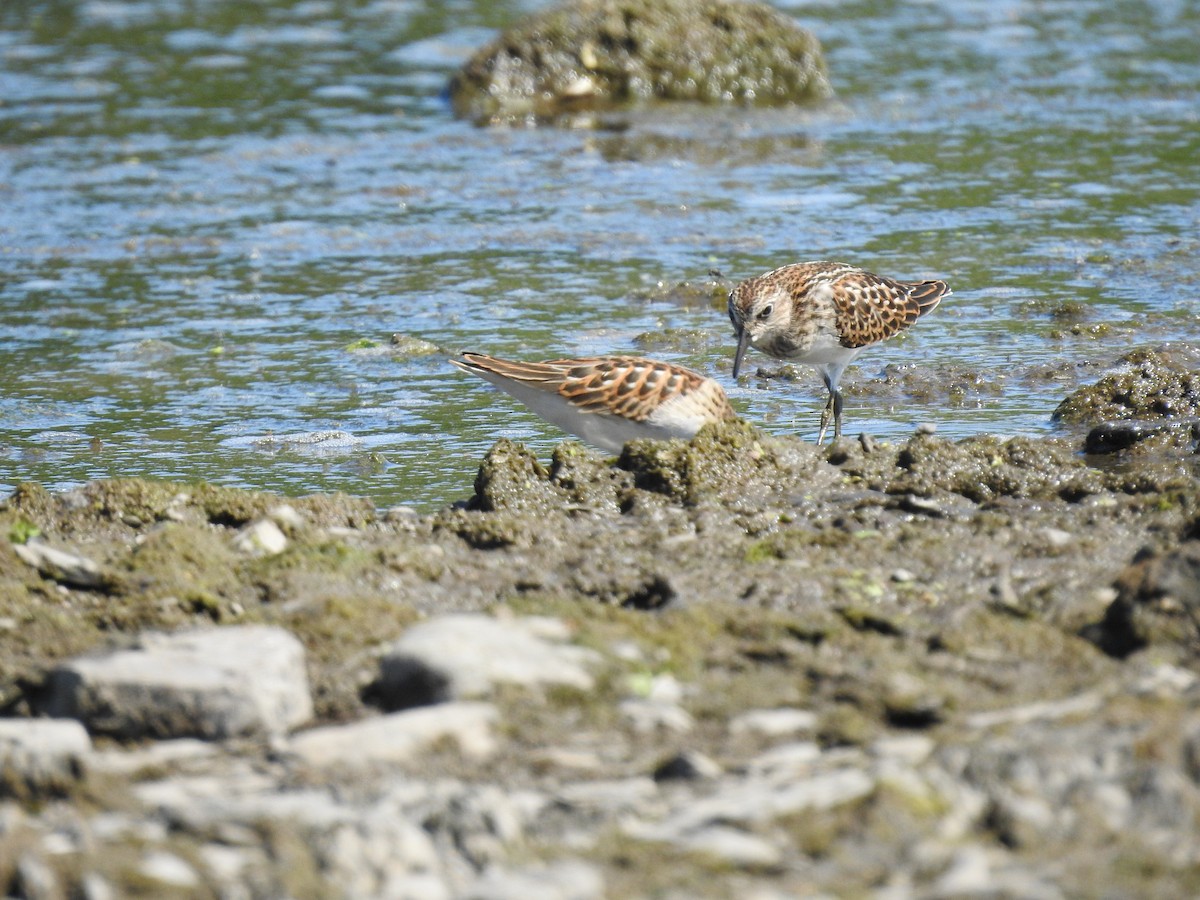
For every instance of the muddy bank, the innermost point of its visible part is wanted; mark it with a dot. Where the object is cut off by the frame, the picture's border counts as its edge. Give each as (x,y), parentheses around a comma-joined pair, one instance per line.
(847,668)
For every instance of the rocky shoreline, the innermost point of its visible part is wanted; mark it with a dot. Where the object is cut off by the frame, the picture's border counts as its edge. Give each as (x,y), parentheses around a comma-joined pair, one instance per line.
(743,666)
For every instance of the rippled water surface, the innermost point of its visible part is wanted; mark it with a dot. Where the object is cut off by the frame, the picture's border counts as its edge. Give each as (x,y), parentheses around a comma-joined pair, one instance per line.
(214,216)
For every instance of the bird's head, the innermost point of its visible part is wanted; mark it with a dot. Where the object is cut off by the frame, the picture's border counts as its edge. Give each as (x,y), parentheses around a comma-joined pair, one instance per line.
(757,310)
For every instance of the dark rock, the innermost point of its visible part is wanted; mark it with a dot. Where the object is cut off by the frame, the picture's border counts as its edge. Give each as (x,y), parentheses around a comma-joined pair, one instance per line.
(1113,437)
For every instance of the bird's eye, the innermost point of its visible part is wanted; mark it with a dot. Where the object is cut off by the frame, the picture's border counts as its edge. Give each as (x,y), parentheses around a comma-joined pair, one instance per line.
(765,312)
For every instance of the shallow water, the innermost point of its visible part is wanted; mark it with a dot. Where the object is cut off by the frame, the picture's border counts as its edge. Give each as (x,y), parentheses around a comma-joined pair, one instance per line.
(215,216)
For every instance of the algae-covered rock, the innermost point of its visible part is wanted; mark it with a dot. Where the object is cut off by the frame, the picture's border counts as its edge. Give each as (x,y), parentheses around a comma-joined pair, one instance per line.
(729,462)
(1147,385)
(725,462)
(591,54)
(988,467)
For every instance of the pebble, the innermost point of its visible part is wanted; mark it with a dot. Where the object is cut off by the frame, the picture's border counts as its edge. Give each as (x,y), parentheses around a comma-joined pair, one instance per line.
(773,722)
(168,869)
(786,760)
(213,683)
(261,538)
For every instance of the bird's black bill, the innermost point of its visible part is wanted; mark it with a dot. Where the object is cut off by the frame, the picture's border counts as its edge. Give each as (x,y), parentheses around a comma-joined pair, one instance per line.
(743,343)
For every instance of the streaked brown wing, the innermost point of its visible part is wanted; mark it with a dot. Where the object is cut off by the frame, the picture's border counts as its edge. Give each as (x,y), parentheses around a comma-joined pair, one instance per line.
(545,375)
(872,308)
(624,385)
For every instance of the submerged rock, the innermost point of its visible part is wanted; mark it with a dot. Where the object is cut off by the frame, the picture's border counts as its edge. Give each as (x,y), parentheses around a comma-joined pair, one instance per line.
(595,54)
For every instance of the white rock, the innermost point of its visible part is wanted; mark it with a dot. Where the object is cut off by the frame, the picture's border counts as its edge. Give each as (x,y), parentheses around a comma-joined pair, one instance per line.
(379,853)
(60,565)
(564,880)
(1056,537)
(1080,704)
(212,683)
(618,795)
(912,749)
(457,657)
(94,886)
(42,753)
(732,846)
(128,761)
(758,800)
(399,737)
(774,722)
(261,538)
(34,879)
(566,758)
(167,868)
(226,864)
(285,516)
(969,873)
(788,760)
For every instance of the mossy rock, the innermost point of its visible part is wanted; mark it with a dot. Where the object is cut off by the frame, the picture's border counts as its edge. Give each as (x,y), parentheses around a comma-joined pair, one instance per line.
(597,54)
(1147,385)
(986,468)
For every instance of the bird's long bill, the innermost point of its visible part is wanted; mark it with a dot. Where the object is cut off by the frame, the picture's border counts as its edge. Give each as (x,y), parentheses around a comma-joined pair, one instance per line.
(743,343)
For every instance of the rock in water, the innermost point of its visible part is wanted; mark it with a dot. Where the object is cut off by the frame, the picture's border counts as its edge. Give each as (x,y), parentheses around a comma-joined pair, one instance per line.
(596,54)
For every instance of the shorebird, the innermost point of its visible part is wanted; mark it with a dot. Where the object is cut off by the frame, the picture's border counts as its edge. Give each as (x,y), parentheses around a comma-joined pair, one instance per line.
(824,314)
(608,400)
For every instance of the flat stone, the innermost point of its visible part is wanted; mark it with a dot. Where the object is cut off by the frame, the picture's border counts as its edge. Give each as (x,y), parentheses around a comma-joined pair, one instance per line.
(461,657)
(158,755)
(38,755)
(399,737)
(61,565)
(618,795)
(758,800)
(211,683)
(1079,705)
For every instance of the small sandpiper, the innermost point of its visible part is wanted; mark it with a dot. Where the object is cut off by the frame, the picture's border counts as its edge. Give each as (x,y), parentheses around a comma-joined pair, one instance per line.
(608,400)
(825,314)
